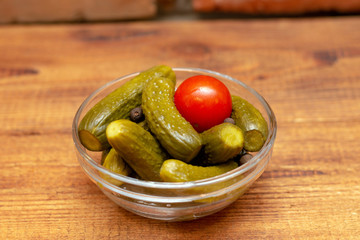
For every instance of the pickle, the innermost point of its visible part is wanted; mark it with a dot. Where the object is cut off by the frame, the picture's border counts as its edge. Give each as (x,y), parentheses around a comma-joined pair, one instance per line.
(104,154)
(116,105)
(137,147)
(112,161)
(221,143)
(174,133)
(144,125)
(251,122)
(174,170)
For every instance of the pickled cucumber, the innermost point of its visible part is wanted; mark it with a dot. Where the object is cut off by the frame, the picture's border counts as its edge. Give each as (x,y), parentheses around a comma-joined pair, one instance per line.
(144,125)
(221,142)
(175,134)
(137,147)
(116,105)
(112,161)
(174,170)
(251,121)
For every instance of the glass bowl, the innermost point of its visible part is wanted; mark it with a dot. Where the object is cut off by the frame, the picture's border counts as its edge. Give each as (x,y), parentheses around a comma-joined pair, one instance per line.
(176,201)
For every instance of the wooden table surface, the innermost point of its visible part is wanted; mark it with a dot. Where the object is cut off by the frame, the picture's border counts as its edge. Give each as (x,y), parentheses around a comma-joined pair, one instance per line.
(308,69)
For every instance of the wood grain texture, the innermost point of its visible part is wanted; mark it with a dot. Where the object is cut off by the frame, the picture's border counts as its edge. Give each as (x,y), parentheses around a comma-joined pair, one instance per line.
(31,11)
(307,69)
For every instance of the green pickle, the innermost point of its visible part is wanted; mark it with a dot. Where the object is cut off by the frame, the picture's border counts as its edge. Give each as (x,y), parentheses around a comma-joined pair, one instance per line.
(116,105)
(175,134)
(113,162)
(165,147)
(177,171)
(144,125)
(137,147)
(251,121)
(221,143)
(174,170)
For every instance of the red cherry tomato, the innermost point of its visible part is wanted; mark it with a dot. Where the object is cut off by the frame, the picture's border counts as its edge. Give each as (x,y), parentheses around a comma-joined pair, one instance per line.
(204,101)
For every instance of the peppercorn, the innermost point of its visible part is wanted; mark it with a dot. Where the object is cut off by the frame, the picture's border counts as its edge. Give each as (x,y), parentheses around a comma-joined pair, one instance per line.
(229,120)
(137,115)
(245,158)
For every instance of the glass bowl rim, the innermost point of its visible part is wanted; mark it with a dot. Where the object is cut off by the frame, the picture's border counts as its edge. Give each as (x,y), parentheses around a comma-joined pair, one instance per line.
(178,185)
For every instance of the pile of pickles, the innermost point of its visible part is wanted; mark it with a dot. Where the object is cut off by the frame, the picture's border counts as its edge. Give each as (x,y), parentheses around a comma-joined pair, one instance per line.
(140,133)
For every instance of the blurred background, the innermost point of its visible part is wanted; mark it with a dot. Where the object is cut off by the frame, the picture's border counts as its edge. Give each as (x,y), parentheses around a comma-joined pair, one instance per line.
(50,11)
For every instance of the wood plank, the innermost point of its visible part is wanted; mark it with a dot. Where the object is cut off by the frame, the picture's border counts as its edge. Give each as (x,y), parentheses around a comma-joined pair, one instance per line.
(307,69)
(50,11)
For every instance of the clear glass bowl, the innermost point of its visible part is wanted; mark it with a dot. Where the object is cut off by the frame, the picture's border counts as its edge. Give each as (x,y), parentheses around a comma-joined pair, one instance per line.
(177,201)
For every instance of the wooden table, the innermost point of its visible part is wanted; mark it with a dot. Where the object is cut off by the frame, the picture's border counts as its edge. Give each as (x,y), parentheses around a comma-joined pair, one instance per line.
(307,69)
